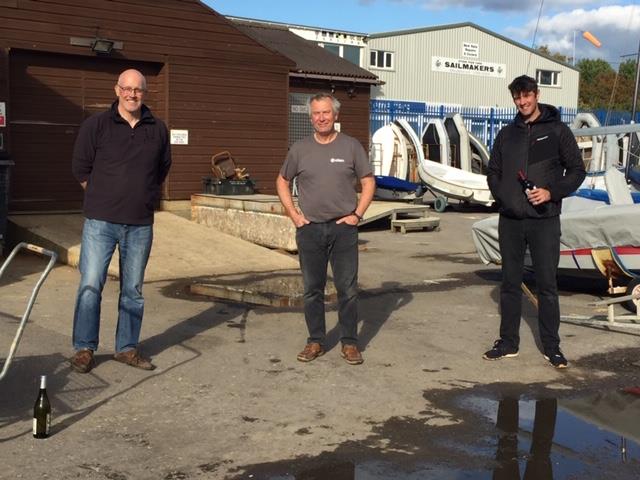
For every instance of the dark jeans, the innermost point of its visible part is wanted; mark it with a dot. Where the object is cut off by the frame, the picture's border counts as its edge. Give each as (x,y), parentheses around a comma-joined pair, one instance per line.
(542,236)
(318,245)
(539,465)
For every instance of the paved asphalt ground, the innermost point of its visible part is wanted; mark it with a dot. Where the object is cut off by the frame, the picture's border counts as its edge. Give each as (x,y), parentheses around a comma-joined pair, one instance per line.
(229,399)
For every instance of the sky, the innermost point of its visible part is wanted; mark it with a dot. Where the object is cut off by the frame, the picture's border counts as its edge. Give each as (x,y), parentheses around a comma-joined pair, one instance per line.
(615,23)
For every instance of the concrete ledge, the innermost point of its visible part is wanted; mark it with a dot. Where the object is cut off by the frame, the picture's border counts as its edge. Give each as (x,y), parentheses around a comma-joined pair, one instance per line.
(181,248)
(60,233)
(268,230)
(248,203)
(259,219)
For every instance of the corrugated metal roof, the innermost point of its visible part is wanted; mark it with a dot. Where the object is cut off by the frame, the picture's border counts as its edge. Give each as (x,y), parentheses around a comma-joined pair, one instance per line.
(410,31)
(310,59)
(295,25)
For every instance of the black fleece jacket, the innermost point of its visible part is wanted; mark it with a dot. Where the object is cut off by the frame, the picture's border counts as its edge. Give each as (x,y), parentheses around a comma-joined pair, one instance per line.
(124,167)
(547,152)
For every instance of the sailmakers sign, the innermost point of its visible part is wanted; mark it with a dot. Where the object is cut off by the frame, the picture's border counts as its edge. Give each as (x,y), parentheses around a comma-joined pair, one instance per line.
(468,67)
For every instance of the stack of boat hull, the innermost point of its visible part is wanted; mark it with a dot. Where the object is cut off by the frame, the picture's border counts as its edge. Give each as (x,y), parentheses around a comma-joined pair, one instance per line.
(398,142)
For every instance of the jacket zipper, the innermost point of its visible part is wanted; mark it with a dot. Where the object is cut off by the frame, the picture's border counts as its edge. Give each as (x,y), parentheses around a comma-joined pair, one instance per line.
(524,198)
(526,160)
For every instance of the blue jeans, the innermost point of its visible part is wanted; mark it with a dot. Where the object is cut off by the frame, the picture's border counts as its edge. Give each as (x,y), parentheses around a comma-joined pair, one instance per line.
(318,245)
(99,240)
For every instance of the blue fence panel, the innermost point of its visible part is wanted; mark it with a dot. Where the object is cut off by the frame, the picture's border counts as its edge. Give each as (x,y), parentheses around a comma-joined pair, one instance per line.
(484,123)
(614,118)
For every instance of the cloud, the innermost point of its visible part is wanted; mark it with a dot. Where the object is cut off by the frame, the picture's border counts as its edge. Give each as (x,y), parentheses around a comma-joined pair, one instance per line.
(501,5)
(617,27)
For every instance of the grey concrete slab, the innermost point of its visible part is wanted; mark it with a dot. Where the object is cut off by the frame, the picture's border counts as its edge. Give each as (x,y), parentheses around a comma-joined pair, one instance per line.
(193,250)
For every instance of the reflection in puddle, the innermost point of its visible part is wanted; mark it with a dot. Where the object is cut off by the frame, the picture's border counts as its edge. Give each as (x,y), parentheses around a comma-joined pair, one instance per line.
(538,462)
(372,470)
(556,439)
(570,438)
(544,439)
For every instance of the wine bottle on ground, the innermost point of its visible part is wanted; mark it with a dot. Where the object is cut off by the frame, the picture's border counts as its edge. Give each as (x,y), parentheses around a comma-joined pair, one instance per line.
(42,411)
(525,182)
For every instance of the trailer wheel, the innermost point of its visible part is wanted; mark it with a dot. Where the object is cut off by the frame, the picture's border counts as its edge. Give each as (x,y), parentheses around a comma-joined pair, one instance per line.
(632,288)
(440,204)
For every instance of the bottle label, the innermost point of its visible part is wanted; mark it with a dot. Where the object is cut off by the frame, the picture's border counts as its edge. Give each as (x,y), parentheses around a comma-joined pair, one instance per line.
(47,425)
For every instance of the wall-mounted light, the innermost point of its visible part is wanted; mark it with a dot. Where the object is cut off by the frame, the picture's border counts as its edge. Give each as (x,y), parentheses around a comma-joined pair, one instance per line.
(351,91)
(102,46)
(332,87)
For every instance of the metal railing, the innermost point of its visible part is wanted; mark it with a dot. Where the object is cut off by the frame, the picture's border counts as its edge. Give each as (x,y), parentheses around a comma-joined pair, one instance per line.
(483,122)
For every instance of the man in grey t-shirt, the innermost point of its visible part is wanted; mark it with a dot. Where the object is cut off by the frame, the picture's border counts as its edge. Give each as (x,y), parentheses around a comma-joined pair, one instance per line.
(328,166)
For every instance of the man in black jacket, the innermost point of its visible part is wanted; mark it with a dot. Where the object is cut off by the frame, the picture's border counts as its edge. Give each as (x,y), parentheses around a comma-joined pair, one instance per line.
(121,157)
(537,147)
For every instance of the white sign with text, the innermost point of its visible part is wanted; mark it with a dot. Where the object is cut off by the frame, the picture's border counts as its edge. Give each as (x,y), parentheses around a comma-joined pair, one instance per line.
(468,67)
(470,50)
(179,137)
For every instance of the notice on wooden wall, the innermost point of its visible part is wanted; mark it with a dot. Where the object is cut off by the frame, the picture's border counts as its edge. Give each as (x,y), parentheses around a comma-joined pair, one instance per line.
(3,115)
(179,137)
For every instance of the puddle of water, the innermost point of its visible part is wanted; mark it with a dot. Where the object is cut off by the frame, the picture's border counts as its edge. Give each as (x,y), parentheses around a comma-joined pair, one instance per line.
(373,471)
(573,435)
(588,437)
(269,289)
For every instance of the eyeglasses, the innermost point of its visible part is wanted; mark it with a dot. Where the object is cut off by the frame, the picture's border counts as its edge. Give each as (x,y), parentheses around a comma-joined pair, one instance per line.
(130,90)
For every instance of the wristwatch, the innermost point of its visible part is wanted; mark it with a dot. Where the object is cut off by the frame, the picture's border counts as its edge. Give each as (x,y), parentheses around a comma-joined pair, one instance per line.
(357,215)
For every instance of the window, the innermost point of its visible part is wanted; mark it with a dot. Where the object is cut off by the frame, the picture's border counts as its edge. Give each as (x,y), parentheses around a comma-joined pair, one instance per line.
(333,48)
(381,59)
(548,78)
(351,54)
(348,52)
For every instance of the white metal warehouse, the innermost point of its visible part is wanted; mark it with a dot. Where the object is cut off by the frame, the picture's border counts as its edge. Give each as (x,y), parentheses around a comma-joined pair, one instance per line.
(463,65)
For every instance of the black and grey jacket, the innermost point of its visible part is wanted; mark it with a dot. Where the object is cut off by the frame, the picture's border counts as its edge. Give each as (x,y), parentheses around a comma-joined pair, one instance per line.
(547,152)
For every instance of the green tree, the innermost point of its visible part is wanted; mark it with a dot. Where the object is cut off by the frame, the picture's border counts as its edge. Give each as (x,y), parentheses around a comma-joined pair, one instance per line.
(591,68)
(628,69)
(597,80)
(608,90)
(544,49)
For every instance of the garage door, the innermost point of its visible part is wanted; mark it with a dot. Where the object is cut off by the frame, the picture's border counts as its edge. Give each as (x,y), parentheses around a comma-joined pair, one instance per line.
(50,96)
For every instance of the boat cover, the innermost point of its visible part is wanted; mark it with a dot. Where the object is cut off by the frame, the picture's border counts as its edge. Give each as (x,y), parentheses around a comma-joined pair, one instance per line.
(602,226)
(393,183)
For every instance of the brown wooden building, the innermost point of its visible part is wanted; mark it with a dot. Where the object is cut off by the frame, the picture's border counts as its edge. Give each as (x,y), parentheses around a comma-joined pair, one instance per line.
(204,75)
(231,90)
(317,69)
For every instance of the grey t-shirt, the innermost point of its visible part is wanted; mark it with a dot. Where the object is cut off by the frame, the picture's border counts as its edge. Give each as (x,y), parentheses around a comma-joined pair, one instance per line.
(327,175)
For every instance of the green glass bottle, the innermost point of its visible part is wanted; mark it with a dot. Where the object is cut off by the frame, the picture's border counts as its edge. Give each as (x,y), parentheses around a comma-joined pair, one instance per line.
(42,411)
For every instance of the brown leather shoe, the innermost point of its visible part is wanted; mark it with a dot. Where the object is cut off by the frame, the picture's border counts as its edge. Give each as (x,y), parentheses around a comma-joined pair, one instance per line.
(351,355)
(311,351)
(83,361)
(133,358)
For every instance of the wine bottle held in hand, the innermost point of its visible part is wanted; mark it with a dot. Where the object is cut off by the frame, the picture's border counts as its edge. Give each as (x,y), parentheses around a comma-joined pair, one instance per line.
(42,411)
(525,182)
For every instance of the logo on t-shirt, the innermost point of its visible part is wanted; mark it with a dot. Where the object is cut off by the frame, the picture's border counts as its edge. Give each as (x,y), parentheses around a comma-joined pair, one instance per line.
(542,138)
(337,160)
